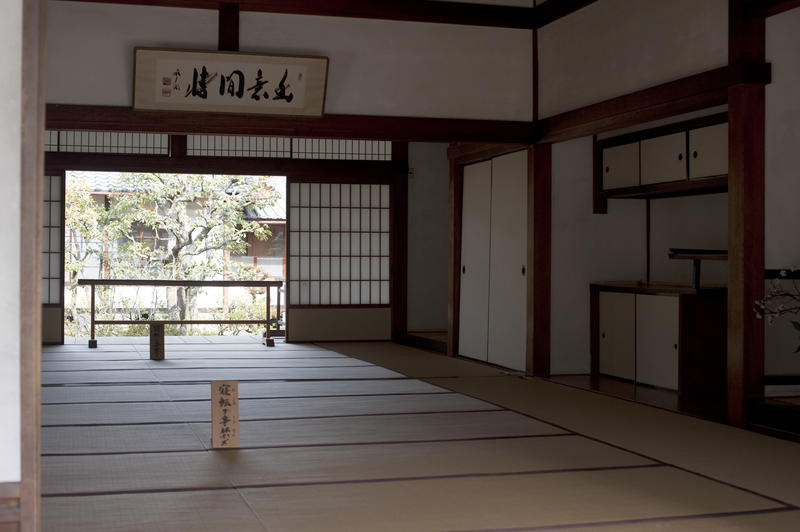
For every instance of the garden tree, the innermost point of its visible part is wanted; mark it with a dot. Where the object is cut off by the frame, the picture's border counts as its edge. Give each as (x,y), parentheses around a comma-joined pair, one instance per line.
(189,220)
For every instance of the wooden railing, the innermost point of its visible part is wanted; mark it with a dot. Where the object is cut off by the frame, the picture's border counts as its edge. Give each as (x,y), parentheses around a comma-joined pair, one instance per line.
(157,326)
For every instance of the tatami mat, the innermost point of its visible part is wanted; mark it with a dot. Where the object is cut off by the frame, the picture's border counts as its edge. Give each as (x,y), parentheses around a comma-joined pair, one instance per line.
(107,394)
(113,413)
(342,463)
(205,511)
(497,503)
(333,451)
(180,392)
(119,439)
(378,429)
(337,406)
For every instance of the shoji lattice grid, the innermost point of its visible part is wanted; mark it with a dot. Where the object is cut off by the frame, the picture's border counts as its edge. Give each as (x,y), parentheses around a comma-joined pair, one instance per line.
(238,146)
(52,239)
(107,142)
(339,244)
(342,149)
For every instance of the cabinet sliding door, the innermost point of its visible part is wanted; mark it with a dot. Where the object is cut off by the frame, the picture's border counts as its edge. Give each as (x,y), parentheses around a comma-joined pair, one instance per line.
(508,264)
(475,231)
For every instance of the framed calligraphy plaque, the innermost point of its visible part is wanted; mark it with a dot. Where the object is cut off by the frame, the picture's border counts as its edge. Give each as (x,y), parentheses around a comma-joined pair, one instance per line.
(224,414)
(229,82)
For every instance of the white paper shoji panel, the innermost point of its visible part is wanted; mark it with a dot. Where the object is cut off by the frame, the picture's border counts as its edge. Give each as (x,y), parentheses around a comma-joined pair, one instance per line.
(344,149)
(108,142)
(52,239)
(237,146)
(50,140)
(339,240)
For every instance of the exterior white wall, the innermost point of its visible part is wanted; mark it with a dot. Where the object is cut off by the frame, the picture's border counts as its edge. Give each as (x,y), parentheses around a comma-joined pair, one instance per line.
(782,245)
(376,67)
(428,236)
(614,47)
(10,124)
(688,222)
(586,247)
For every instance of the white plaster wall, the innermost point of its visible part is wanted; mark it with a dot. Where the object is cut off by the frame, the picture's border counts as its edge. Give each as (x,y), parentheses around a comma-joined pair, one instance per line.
(614,47)
(782,243)
(376,67)
(10,123)
(380,67)
(586,247)
(428,236)
(90,46)
(688,222)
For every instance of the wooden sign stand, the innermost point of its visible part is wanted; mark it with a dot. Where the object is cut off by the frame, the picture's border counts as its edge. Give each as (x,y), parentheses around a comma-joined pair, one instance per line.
(224,414)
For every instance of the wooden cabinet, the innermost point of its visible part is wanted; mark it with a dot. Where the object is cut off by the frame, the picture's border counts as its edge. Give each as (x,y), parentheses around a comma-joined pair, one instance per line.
(617,342)
(657,340)
(492,308)
(674,160)
(664,159)
(708,151)
(668,337)
(621,166)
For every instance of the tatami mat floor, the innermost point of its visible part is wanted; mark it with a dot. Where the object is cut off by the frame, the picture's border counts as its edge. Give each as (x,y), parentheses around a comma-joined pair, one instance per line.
(377,436)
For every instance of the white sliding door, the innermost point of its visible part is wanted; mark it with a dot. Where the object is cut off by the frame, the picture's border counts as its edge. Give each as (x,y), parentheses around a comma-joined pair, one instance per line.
(508,264)
(475,230)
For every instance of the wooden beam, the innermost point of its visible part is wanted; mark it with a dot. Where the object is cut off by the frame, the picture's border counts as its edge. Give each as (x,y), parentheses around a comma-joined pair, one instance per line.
(768,8)
(228,39)
(408,10)
(34,16)
(688,94)
(539,260)
(297,168)
(111,118)
(746,134)
(469,152)
(553,10)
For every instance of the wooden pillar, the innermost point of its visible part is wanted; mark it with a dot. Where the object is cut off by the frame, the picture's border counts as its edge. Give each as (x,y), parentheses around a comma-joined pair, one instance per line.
(34,16)
(454,269)
(539,258)
(745,217)
(228,23)
(399,232)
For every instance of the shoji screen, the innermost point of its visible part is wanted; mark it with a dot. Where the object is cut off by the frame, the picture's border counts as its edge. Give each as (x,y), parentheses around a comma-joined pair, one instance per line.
(339,261)
(53,258)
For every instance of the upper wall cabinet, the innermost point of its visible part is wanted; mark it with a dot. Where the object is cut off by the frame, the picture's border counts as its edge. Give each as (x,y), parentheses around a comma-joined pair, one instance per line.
(708,151)
(664,159)
(621,166)
(674,160)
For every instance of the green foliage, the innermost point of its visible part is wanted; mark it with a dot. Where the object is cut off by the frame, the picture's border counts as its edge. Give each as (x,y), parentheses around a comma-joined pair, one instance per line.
(190,221)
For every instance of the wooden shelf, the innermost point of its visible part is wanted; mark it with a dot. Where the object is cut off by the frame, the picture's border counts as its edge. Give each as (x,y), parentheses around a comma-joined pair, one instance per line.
(711,185)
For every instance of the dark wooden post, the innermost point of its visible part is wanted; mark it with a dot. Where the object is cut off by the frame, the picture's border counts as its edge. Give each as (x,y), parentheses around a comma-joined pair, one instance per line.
(537,360)
(92,339)
(746,117)
(156,341)
(269,342)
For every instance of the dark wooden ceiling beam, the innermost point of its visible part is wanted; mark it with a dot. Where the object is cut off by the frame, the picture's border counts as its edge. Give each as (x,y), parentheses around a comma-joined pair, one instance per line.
(553,10)
(768,8)
(685,95)
(110,118)
(406,10)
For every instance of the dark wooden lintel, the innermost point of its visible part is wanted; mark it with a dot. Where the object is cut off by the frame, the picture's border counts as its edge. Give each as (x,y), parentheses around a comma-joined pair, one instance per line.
(768,8)
(115,118)
(707,89)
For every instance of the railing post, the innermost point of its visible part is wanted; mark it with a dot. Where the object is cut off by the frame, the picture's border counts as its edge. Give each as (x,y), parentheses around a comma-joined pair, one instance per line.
(92,339)
(278,313)
(269,342)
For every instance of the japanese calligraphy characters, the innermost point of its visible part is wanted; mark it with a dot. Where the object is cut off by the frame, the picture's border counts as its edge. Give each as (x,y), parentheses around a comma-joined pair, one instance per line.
(229,82)
(224,414)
